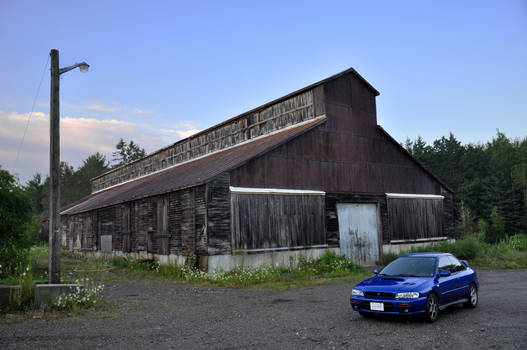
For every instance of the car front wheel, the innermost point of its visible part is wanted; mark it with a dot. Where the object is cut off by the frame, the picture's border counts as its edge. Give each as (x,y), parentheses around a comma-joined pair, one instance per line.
(472,296)
(432,308)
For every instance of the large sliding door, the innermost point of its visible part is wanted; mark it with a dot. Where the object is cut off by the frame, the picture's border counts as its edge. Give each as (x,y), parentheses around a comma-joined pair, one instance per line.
(359,232)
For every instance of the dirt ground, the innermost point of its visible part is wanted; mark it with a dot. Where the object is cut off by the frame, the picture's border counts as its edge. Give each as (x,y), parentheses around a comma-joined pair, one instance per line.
(152,314)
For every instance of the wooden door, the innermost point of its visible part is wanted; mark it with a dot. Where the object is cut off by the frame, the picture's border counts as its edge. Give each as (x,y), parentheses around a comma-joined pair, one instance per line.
(359,235)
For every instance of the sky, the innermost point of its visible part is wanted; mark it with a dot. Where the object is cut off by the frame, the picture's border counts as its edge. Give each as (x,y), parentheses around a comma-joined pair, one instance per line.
(163,70)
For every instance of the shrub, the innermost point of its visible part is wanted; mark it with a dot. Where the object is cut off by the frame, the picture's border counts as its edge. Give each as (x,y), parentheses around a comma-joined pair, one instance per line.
(518,242)
(468,248)
(496,232)
(482,229)
(15,217)
(387,258)
(331,262)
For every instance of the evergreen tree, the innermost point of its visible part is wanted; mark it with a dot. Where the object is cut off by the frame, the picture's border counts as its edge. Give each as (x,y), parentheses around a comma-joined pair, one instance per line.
(127,153)
(35,192)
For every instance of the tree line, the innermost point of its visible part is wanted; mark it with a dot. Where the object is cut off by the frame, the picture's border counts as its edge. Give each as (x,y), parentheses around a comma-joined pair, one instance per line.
(489,181)
(75,183)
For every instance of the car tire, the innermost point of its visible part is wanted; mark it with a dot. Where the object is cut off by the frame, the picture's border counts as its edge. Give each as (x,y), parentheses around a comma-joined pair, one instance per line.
(472,296)
(432,308)
(366,314)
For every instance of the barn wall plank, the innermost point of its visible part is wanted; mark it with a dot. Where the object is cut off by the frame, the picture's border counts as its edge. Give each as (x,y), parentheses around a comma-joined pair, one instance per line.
(219,215)
(275,221)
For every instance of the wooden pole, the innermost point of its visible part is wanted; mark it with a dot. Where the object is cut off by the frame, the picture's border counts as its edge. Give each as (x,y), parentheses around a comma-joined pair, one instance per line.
(54,171)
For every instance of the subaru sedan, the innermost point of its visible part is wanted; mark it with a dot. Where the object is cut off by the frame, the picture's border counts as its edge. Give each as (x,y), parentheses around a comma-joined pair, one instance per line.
(418,283)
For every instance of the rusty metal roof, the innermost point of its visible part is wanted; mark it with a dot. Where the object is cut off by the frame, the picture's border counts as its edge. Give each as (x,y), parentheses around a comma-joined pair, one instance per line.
(189,174)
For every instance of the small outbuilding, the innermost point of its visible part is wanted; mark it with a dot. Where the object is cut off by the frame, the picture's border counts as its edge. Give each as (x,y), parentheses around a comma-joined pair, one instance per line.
(309,172)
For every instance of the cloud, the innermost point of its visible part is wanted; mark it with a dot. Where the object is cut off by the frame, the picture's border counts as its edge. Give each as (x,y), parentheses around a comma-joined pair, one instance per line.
(79,138)
(142,111)
(99,107)
(189,129)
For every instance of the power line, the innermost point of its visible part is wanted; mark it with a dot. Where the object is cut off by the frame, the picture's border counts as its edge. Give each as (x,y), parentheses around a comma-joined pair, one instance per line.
(31,113)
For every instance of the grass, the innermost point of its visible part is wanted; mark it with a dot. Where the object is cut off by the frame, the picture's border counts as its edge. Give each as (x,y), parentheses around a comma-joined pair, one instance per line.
(330,267)
(508,254)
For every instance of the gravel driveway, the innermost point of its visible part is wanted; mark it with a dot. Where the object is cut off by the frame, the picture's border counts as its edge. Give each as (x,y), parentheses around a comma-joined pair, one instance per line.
(155,314)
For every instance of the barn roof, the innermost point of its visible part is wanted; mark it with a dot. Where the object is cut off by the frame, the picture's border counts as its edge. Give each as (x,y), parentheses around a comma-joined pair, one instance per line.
(273,102)
(194,172)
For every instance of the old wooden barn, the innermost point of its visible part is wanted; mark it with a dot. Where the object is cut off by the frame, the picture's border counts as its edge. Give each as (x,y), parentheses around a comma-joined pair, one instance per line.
(305,173)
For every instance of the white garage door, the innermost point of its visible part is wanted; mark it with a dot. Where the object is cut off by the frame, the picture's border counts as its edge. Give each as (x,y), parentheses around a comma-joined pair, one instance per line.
(358,232)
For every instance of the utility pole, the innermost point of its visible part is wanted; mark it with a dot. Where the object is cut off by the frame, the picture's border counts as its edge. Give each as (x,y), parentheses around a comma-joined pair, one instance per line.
(54,171)
(54,164)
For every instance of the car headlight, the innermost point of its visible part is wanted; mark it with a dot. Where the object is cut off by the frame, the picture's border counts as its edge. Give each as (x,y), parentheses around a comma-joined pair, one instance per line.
(357,292)
(407,295)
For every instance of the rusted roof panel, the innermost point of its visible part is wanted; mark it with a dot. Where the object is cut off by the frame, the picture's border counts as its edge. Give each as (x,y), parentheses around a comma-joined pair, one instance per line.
(188,174)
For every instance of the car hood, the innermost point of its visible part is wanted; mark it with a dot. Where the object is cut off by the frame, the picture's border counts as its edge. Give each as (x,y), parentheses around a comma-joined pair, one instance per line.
(394,284)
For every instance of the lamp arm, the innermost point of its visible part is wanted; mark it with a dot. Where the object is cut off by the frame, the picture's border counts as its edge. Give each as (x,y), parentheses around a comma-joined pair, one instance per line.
(67,69)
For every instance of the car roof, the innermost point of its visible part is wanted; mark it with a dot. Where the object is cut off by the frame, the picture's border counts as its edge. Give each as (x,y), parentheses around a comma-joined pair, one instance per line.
(425,254)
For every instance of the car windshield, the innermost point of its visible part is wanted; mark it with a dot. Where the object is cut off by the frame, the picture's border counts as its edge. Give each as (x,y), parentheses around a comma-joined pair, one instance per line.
(410,267)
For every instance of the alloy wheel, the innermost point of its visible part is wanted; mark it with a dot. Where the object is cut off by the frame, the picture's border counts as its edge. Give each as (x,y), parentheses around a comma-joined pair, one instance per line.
(432,308)
(473,296)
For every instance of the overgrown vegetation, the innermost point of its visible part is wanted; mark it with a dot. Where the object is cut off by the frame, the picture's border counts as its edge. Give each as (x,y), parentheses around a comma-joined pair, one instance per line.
(15,225)
(510,252)
(489,181)
(84,296)
(307,272)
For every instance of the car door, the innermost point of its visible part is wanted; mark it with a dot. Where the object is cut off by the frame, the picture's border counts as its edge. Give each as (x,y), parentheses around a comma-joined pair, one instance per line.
(462,278)
(446,286)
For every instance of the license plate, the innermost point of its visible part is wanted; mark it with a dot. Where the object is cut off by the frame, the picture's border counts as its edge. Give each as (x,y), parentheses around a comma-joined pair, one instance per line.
(377,306)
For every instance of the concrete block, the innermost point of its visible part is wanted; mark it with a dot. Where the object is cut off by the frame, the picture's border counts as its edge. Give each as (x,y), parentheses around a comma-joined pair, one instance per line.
(46,294)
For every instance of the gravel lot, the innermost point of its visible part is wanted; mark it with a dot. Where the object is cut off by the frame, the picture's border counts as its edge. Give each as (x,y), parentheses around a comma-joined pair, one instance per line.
(162,314)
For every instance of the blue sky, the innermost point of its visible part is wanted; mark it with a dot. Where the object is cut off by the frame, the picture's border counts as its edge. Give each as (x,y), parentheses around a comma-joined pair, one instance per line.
(162,70)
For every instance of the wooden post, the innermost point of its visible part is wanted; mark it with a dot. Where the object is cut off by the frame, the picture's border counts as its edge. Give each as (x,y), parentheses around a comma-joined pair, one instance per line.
(54,171)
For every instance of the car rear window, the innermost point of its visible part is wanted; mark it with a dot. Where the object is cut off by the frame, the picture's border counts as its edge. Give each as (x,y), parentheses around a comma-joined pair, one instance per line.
(411,267)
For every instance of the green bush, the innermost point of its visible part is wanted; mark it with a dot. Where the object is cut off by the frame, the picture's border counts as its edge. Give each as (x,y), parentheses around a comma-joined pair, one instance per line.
(482,229)
(387,258)
(518,242)
(468,248)
(496,232)
(15,221)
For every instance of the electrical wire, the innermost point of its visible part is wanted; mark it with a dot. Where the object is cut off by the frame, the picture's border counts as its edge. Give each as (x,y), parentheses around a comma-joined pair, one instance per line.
(31,113)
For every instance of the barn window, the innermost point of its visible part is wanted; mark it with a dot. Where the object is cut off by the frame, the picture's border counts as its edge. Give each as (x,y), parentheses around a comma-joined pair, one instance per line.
(269,218)
(415,217)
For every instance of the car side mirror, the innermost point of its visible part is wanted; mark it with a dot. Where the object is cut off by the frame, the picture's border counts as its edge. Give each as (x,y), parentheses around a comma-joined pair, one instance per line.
(444,273)
(464,262)
(376,271)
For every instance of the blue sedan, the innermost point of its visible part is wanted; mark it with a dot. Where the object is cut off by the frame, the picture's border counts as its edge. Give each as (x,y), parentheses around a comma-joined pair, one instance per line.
(419,283)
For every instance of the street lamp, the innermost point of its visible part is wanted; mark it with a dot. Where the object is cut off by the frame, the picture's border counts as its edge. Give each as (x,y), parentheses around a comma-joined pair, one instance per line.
(54,164)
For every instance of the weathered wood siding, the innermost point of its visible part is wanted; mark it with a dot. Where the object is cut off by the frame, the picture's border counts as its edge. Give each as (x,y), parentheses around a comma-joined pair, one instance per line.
(277,116)
(174,223)
(413,218)
(219,216)
(346,154)
(274,221)
(348,157)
